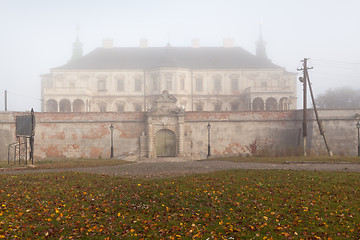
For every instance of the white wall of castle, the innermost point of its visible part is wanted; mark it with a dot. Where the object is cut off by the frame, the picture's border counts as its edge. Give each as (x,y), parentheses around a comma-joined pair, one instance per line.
(116,90)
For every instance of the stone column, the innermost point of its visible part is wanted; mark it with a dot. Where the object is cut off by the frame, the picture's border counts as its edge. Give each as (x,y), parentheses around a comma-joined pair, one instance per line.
(143,146)
(181,136)
(150,139)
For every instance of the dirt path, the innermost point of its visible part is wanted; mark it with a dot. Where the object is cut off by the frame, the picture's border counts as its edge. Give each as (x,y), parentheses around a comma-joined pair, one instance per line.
(166,168)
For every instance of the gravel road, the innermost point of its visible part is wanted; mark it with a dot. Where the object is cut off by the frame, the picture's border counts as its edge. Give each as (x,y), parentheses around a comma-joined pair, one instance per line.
(182,167)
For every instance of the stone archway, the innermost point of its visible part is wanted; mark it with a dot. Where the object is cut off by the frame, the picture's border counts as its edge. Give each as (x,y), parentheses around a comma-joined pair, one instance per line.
(271,104)
(51,105)
(78,106)
(65,105)
(165,142)
(258,104)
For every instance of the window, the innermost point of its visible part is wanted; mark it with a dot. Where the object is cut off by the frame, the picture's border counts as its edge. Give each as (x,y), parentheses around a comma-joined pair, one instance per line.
(137,107)
(120,108)
(235,106)
(263,84)
(120,85)
(199,107)
(217,106)
(138,82)
(168,82)
(103,108)
(155,82)
(234,84)
(199,84)
(217,84)
(101,85)
(72,84)
(182,83)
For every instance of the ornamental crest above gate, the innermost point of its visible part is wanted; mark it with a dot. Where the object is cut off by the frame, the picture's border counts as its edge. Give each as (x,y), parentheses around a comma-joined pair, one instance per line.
(165,104)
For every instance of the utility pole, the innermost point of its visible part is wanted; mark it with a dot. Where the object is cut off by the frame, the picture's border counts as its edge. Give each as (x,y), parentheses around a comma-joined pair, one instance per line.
(5,100)
(321,129)
(306,80)
(303,80)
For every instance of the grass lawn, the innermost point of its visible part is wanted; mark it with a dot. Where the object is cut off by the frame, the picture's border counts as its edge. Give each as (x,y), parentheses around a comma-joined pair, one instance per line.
(239,204)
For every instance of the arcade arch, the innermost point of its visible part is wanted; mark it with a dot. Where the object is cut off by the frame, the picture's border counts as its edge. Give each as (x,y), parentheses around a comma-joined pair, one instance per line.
(51,105)
(271,104)
(258,104)
(65,105)
(78,106)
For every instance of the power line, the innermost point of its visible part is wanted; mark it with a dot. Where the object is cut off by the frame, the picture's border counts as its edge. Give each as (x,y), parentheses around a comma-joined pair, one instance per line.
(25,96)
(335,62)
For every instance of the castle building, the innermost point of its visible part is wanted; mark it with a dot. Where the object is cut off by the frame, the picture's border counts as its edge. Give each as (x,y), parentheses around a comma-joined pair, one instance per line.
(118,79)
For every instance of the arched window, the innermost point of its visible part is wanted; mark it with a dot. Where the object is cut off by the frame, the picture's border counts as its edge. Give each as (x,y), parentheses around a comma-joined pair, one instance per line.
(258,104)
(65,105)
(78,106)
(271,104)
(102,108)
(217,106)
(120,106)
(199,106)
(51,105)
(137,107)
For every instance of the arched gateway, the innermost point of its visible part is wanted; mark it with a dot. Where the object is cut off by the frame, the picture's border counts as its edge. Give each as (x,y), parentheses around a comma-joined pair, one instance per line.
(165,142)
(164,134)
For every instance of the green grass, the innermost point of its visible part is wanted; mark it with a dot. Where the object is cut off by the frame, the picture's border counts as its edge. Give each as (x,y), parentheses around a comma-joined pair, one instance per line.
(66,163)
(239,204)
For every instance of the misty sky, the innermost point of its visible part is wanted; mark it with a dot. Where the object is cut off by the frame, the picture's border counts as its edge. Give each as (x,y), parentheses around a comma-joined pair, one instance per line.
(37,35)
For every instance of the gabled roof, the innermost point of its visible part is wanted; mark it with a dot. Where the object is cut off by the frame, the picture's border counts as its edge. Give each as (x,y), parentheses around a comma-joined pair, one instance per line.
(171,57)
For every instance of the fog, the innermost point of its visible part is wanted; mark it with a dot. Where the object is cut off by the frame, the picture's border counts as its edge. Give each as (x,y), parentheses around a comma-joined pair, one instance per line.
(37,35)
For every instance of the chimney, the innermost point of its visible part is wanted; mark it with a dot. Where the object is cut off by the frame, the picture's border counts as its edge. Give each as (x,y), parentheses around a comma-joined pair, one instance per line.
(108,43)
(195,43)
(228,42)
(143,43)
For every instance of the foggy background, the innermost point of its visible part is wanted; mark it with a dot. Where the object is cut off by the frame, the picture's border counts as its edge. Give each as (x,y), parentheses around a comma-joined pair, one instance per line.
(38,35)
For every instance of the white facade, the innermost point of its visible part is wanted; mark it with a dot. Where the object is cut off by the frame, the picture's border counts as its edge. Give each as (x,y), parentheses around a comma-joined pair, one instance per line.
(82,87)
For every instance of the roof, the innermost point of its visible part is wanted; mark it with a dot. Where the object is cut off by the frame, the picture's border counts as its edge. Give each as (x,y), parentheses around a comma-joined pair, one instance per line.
(178,57)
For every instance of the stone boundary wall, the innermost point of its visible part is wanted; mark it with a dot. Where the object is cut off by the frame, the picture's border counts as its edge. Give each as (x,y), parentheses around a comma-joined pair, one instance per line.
(87,135)
(78,135)
(233,133)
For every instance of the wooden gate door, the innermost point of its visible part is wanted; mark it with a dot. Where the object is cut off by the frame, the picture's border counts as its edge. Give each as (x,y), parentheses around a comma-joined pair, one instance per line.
(165,143)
